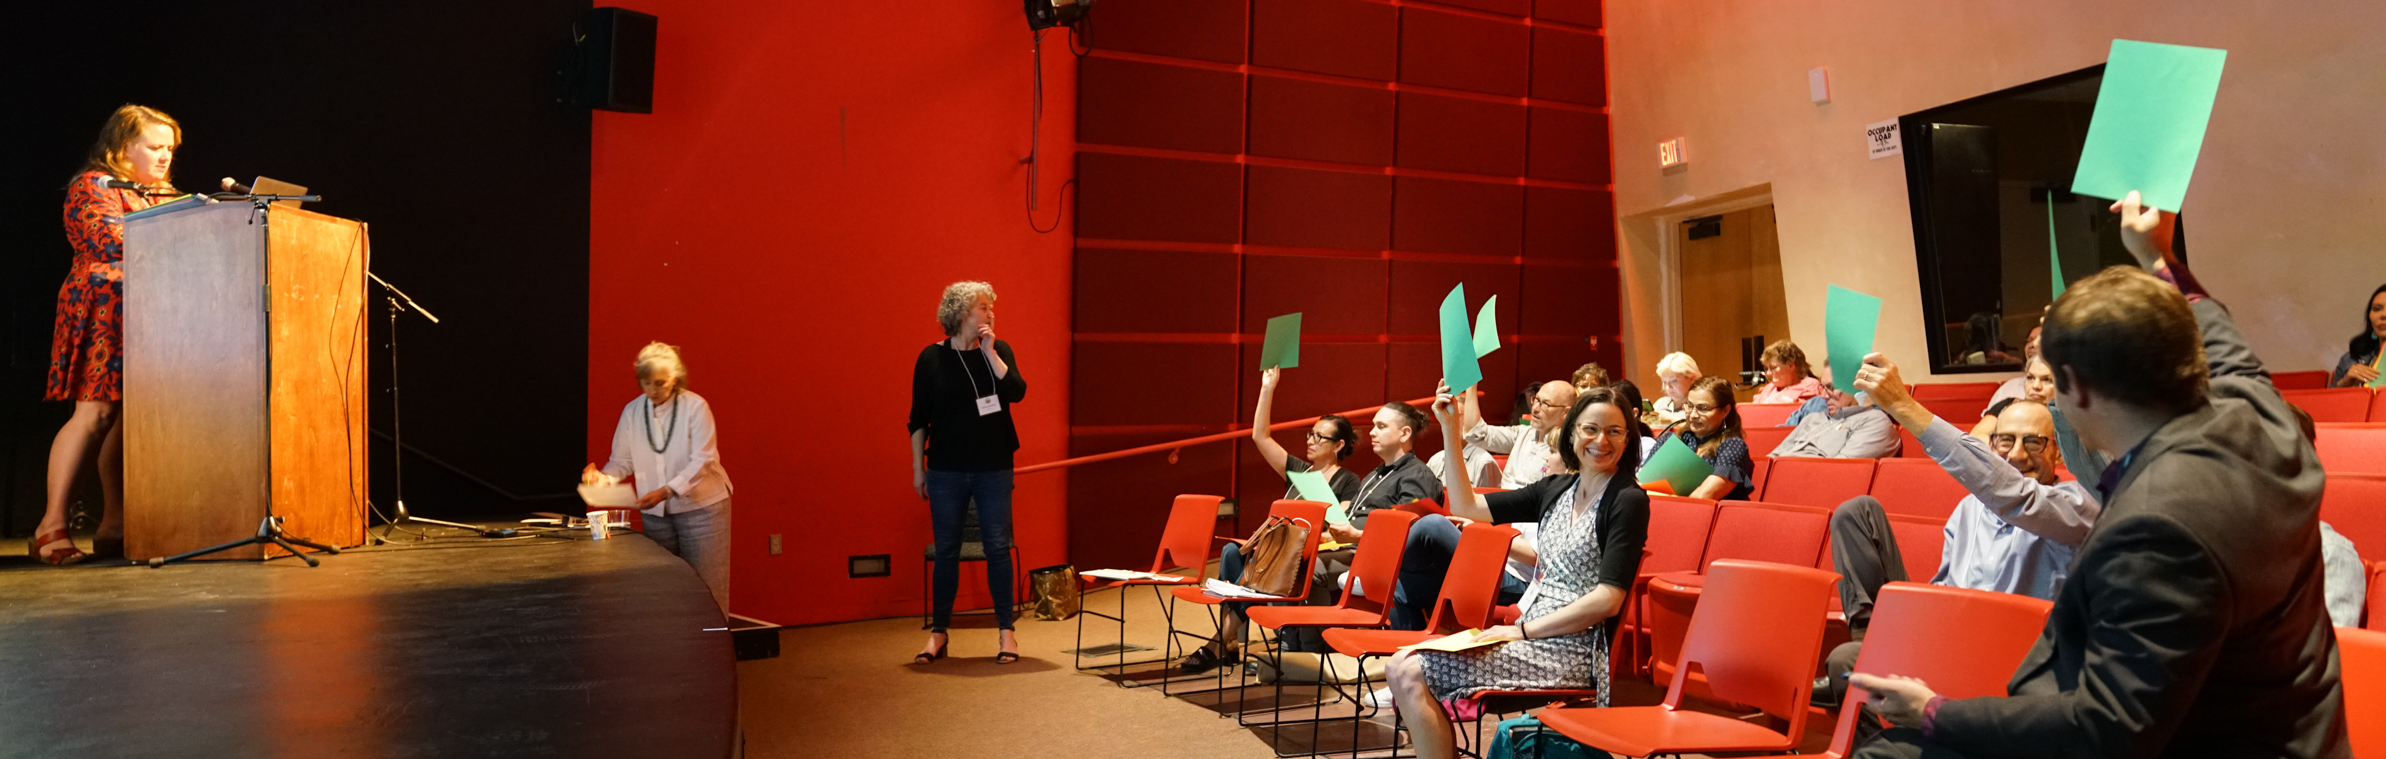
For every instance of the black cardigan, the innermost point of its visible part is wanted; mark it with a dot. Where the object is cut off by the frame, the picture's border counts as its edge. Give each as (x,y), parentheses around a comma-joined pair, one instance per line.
(1623,527)
(944,401)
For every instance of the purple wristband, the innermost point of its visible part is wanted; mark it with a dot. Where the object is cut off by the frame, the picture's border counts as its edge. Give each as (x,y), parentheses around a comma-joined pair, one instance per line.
(1930,717)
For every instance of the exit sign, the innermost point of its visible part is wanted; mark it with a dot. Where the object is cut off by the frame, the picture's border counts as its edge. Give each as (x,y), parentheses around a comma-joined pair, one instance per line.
(1669,153)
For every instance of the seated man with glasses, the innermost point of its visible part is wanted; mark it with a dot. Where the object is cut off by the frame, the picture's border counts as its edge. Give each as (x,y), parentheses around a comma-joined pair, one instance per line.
(2015,533)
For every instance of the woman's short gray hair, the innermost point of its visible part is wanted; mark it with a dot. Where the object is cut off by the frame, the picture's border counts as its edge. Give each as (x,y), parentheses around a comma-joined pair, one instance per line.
(1676,365)
(959,298)
(658,355)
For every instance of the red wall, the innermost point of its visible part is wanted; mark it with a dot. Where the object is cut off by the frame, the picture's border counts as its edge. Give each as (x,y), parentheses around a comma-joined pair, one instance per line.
(1349,159)
(812,176)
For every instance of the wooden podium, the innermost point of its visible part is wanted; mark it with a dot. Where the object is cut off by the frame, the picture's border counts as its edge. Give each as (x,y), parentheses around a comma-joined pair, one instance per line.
(244,377)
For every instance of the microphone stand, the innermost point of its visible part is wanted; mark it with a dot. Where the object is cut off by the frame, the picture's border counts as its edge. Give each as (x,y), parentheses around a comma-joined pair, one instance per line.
(400,302)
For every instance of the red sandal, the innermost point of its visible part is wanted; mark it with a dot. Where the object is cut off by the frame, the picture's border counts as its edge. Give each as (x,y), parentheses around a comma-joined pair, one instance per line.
(59,558)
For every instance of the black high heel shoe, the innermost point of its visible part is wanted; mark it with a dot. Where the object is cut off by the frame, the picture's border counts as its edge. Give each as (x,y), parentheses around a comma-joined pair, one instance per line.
(931,657)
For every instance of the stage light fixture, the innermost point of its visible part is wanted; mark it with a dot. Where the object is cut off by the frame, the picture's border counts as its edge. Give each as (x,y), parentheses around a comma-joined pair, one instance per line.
(1045,14)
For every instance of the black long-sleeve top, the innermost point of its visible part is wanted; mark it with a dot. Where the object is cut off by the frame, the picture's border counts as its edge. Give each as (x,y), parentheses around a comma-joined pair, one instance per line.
(945,387)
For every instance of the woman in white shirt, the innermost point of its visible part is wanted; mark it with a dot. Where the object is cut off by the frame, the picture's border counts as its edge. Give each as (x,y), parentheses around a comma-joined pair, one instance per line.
(665,440)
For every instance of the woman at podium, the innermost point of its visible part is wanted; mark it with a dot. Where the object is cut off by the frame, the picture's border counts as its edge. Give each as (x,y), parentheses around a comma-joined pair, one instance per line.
(87,343)
(665,438)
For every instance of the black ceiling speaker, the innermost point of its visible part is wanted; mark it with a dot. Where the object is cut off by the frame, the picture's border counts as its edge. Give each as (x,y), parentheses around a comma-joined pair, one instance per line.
(1045,14)
(616,66)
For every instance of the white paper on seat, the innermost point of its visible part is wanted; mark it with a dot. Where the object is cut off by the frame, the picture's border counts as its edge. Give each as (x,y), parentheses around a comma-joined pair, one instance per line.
(1129,574)
(1224,589)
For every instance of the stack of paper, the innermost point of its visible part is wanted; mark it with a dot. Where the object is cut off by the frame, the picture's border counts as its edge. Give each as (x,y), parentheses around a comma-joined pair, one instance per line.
(1454,642)
(1129,574)
(1224,589)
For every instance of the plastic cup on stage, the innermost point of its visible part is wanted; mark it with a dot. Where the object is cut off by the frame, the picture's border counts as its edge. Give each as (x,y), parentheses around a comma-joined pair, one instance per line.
(600,524)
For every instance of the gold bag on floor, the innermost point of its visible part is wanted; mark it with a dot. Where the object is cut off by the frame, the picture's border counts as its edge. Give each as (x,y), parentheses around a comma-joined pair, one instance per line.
(1056,591)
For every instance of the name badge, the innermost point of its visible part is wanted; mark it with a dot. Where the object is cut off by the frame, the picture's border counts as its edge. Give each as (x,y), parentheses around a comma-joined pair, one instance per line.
(988,405)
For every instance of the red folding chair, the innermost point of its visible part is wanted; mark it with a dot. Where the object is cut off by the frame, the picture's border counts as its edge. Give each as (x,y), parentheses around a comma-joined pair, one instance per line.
(1964,643)
(1916,487)
(1756,637)
(1469,591)
(1678,529)
(2361,658)
(2351,447)
(1366,603)
(1745,530)
(1310,514)
(2332,405)
(1821,483)
(1184,543)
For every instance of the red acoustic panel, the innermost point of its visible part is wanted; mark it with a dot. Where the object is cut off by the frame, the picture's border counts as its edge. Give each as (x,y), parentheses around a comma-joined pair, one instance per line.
(1568,223)
(1419,286)
(1461,134)
(1455,216)
(1336,296)
(1509,7)
(1569,66)
(1575,301)
(1546,359)
(1121,102)
(1577,12)
(1123,197)
(1353,38)
(1117,509)
(1312,208)
(1114,291)
(1333,377)
(1151,383)
(1293,118)
(1569,145)
(1209,30)
(1416,369)
(1463,52)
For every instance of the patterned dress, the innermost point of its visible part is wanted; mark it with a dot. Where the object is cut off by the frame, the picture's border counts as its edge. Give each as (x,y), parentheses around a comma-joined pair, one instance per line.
(87,341)
(1569,548)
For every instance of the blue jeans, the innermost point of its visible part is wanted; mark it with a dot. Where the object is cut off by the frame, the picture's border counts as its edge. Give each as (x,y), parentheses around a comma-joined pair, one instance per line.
(702,538)
(949,496)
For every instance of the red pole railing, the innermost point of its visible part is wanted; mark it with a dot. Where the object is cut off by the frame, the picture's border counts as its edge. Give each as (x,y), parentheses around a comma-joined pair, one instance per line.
(1239,432)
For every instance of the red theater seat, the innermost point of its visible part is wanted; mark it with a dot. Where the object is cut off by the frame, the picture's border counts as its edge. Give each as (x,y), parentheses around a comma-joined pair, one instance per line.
(2312,380)
(2362,656)
(1753,415)
(2355,504)
(1750,530)
(2352,447)
(1908,446)
(2334,405)
(1943,391)
(1961,412)
(1916,487)
(1920,541)
(2377,407)
(1821,483)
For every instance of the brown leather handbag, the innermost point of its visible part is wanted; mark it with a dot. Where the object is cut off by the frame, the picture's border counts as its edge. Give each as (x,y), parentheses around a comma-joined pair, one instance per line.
(1272,558)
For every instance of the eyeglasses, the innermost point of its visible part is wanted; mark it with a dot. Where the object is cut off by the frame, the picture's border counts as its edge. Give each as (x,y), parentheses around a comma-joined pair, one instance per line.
(1314,437)
(2003,443)
(1703,408)
(1539,402)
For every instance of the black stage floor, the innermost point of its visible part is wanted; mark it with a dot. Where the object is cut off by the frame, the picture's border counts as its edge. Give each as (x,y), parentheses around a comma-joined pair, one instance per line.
(524,647)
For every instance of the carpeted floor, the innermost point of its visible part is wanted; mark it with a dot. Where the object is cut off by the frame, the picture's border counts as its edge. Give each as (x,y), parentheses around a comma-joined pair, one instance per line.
(850,690)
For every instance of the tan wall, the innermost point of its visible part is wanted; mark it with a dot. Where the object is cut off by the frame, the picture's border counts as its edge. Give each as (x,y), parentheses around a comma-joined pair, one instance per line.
(2284,215)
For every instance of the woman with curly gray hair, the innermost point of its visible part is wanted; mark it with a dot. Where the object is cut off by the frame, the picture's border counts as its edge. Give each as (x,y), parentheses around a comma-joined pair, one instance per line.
(665,440)
(962,438)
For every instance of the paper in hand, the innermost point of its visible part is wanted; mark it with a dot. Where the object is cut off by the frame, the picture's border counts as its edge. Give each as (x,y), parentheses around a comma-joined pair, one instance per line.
(1678,466)
(1283,346)
(613,496)
(1487,328)
(1312,486)
(2151,112)
(1849,320)
(1459,369)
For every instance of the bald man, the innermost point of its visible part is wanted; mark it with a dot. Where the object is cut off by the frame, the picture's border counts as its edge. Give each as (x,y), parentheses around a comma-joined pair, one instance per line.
(1527,445)
(2015,532)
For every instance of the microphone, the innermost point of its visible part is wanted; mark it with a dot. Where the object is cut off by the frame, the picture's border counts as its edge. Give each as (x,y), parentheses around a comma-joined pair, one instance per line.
(119,184)
(231,186)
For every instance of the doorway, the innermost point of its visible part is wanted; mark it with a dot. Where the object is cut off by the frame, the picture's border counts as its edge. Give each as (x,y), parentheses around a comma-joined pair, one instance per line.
(1732,302)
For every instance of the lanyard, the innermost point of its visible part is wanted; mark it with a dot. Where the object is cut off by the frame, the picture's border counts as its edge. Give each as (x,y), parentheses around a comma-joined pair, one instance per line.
(963,357)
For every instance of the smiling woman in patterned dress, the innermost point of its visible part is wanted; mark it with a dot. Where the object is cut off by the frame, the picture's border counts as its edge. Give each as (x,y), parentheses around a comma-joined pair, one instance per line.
(1593,525)
(87,344)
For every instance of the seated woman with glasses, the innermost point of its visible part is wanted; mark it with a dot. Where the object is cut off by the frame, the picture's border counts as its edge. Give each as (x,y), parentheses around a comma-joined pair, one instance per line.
(1330,440)
(1711,426)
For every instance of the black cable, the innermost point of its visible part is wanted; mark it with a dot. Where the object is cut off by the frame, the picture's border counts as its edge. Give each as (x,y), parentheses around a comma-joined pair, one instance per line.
(1060,207)
(1035,149)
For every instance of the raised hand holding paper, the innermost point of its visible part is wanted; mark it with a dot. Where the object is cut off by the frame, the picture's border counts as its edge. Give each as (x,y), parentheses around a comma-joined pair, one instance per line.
(2149,124)
(1283,346)
(1678,466)
(1312,487)
(1459,369)
(1849,319)
(1487,327)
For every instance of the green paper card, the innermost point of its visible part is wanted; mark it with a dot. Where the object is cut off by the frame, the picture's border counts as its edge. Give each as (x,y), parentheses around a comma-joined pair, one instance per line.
(1849,319)
(1459,369)
(2054,259)
(2149,124)
(1283,346)
(1678,466)
(1487,327)
(1313,487)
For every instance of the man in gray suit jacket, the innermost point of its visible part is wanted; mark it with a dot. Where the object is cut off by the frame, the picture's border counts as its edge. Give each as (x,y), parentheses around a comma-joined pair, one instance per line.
(2193,622)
